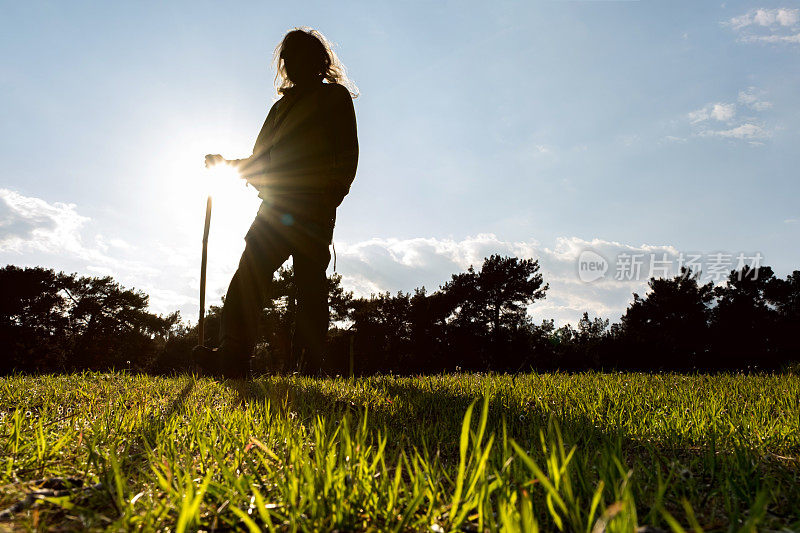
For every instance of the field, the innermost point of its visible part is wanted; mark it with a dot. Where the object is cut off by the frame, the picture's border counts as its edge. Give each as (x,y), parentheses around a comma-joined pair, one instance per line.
(570,452)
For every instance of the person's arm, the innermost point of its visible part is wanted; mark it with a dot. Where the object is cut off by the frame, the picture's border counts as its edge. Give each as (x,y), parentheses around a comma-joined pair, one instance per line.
(239,163)
(344,139)
(216,159)
(254,167)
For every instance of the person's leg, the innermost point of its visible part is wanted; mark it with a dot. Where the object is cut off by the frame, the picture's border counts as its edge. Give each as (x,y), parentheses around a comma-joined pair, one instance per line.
(311,322)
(265,251)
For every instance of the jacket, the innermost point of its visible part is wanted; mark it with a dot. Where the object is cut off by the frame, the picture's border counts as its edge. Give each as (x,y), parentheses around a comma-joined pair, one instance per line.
(305,156)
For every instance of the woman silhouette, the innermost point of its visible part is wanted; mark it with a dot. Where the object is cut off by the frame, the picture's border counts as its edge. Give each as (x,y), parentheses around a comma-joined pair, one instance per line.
(303,163)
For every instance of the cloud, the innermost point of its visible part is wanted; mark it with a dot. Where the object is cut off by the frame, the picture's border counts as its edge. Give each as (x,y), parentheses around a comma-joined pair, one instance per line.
(767,18)
(53,235)
(34,231)
(379,265)
(791,39)
(707,120)
(747,131)
(723,112)
(779,25)
(752,98)
(720,111)
(28,223)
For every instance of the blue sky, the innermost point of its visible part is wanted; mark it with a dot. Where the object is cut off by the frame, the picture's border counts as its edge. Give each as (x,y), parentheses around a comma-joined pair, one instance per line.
(540,129)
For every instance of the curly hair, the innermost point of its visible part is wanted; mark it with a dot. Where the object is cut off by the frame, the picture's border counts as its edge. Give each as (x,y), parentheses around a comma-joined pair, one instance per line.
(314,47)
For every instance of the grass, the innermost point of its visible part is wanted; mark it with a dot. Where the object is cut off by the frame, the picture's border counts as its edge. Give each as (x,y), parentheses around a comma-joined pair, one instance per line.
(555,452)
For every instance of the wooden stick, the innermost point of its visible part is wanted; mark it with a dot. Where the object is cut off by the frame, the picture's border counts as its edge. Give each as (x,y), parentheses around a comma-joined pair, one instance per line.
(201,338)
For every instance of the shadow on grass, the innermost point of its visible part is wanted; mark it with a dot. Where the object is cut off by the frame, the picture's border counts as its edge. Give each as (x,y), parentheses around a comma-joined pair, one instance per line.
(718,480)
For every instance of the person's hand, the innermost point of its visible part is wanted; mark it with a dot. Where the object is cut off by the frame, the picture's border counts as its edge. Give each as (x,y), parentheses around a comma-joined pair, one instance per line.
(213,159)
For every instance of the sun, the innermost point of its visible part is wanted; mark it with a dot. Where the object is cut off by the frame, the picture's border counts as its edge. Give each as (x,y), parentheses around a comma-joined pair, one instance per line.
(222,181)
(178,189)
(234,201)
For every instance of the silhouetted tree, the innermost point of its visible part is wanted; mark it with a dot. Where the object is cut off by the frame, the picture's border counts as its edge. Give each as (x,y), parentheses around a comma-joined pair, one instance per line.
(383,326)
(494,299)
(743,320)
(110,325)
(33,318)
(589,342)
(784,296)
(669,325)
(428,317)
(54,321)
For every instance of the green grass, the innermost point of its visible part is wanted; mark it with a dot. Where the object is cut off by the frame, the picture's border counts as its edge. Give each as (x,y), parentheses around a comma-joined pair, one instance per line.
(583,453)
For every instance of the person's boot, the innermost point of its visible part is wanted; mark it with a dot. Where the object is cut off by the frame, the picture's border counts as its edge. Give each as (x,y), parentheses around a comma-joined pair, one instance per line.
(311,363)
(221,362)
(205,360)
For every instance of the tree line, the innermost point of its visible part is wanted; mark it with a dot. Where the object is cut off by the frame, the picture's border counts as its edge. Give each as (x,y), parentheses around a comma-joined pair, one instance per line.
(477,321)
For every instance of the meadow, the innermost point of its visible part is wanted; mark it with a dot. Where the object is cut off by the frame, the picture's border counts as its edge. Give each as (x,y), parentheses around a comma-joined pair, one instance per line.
(586,452)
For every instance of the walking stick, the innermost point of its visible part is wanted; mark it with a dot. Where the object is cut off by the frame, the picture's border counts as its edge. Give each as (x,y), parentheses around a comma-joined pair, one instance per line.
(201,322)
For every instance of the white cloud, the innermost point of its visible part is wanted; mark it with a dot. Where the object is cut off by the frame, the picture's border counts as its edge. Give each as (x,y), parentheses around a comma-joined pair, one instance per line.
(392,265)
(28,223)
(768,18)
(752,98)
(723,112)
(745,131)
(707,121)
(52,235)
(791,39)
(720,111)
(33,231)
(777,25)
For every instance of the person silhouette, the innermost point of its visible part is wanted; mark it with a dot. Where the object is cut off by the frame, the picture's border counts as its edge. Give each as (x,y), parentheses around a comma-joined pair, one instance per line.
(303,163)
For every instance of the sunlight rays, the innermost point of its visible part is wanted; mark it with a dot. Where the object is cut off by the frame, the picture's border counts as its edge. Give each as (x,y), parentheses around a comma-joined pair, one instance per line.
(222,182)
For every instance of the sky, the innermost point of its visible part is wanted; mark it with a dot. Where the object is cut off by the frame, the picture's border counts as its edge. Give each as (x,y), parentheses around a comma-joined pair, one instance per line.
(609,140)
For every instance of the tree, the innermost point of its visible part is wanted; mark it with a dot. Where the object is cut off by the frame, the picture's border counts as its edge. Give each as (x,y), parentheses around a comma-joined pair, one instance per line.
(669,325)
(33,318)
(784,297)
(428,317)
(744,324)
(383,331)
(56,321)
(110,325)
(591,330)
(496,297)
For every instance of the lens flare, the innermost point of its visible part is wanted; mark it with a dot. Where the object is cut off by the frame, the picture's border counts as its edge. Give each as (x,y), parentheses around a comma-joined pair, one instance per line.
(235,205)
(222,180)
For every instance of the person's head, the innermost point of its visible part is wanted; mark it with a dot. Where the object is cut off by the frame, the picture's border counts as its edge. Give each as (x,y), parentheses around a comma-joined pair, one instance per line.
(305,57)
